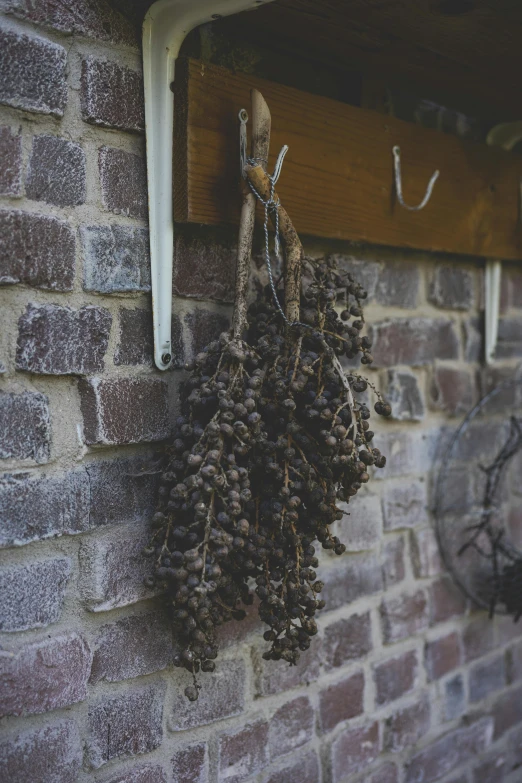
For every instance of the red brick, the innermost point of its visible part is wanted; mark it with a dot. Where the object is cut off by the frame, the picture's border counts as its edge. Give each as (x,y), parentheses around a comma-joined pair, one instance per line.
(112,567)
(123,182)
(124,410)
(273,678)
(25,426)
(306,770)
(347,639)
(509,338)
(361,527)
(485,677)
(125,725)
(478,637)
(353,750)
(144,773)
(205,264)
(404,395)
(341,701)
(393,568)
(201,328)
(121,490)
(136,343)
(11,155)
(32,74)
(395,677)
(448,752)
(222,695)
(37,508)
(33,593)
(413,341)
(56,172)
(388,773)
(454,697)
(55,340)
(403,616)
(514,663)
(406,726)
(115,259)
(37,250)
(398,285)
(404,505)
(48,754)
(242,752)
(112,95)
(411,452)
(492,769)
(291,726)
(452,288)
(442,655)
(452,391)
(355,576)
(190,764)
(507,630)
(45,675)
(446,600)
(473,335)
(507,711)
(131,647)
(425,554)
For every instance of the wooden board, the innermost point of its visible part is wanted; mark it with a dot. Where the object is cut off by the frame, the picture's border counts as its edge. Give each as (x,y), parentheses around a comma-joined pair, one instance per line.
(337,178)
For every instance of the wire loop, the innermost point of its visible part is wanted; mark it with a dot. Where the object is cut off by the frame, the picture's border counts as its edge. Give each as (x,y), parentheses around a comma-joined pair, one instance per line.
(398,183)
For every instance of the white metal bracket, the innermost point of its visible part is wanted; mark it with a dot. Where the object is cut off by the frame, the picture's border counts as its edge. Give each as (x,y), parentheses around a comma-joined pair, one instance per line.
(165,26)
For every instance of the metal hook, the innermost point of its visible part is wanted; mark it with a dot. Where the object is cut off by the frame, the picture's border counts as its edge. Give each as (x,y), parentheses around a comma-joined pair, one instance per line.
(279,164)
(243,119)
(398,183)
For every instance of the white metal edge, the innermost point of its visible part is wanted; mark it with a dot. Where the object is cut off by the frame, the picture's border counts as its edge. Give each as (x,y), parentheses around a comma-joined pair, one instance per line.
(164,28)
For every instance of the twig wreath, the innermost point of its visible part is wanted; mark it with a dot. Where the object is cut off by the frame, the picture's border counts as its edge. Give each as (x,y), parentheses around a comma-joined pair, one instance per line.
(270,438)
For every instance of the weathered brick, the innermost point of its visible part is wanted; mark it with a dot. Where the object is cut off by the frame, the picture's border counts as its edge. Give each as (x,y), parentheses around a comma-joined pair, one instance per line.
(446,600)
(112,95)
(507,711)
(348,639)
(509,338)
(37,250)
(205,264)
(404,395)
(190,764)
(291,726)
(448,752)
(37,508)
(25,426)
(48,754)
(121,490)
(395,677)
(33,594)
(131,647)
(492,769)
(305,770)
(221,696)
(398,285)
(143,773)
(413,341)
(442,655)
(123,182)
(45,675)
(136,345)
(115,259)
(364,271)
(57,172)
(393,568)
(242,752)
(454,697)
(406,726)
(358,575)
(473,333)
(478,637)
(341,701)
(452,390)
(404,504)
(11,156)
(514,663)
(233,633)
(32,73)
(425,553)
(201,327)
(124,410)
(485,677)
(91,18)
(353,750)
(409,451)
(388,773)
(271,678)
(113,567)
(361,527)
(56,340)
(125,725)
(452,288)
(403,616)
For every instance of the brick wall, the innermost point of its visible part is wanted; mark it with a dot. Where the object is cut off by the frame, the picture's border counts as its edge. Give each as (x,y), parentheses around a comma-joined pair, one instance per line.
(405,682)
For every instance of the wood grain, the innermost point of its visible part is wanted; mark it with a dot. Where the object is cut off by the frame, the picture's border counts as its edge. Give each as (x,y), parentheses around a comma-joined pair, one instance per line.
(337,179)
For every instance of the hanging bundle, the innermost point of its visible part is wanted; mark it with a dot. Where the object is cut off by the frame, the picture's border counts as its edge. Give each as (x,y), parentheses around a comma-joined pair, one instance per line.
(270,438)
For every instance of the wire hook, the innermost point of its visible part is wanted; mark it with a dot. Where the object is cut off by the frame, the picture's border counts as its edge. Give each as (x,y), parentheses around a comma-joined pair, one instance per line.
(243,119)
(398,183)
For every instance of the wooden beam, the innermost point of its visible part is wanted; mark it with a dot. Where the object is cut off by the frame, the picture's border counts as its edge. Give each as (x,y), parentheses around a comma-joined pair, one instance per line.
(337,179)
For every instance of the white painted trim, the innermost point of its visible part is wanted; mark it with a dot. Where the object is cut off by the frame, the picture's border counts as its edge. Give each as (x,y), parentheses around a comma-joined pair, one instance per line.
(165,26)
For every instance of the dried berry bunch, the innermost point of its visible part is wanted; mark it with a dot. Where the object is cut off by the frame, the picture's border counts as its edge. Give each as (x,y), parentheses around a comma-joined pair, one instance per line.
(270,438)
